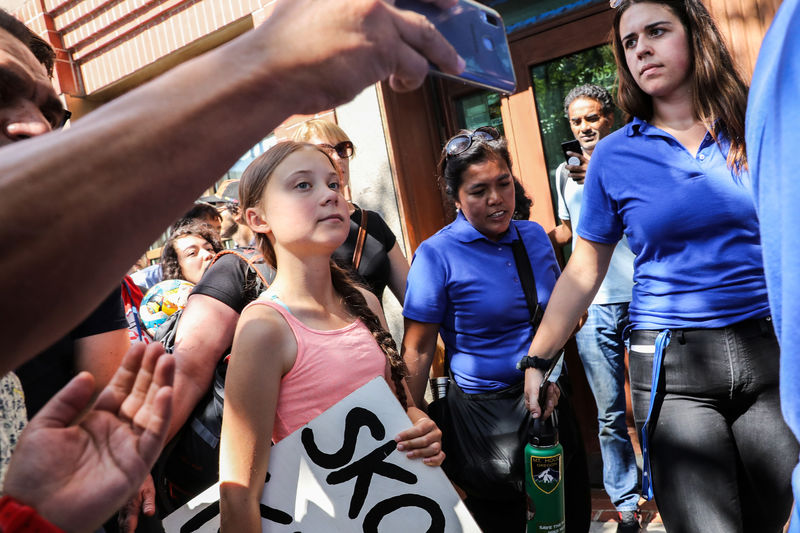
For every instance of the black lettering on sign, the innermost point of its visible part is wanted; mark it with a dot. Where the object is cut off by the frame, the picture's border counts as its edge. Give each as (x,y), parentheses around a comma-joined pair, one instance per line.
(363,469)
(198,520)
(207,514)
(274,515)
(357,417)
(390,505)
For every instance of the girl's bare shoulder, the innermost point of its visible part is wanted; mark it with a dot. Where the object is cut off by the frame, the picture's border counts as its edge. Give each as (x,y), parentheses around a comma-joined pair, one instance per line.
(262,330)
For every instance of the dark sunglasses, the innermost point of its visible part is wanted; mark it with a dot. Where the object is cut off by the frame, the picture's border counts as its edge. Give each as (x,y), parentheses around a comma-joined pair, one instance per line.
(57,125)
(344,149)
(463,141)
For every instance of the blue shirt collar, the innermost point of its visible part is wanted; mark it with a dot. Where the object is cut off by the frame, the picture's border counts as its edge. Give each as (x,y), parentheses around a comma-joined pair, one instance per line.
(466,232)
(639,126)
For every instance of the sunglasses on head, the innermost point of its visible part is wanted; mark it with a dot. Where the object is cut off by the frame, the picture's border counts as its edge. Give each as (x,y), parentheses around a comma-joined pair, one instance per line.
(344,149)
(463,141)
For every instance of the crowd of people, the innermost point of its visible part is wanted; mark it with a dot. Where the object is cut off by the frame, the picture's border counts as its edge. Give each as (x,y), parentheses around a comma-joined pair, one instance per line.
(98,433)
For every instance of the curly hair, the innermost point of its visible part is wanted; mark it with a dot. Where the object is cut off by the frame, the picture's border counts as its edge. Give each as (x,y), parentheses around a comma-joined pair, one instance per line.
(170,266)
(251,191)
(594,92)
(719,95)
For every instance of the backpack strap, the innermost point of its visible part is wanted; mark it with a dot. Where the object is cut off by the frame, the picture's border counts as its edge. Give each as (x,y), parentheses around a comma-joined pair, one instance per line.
(562,181)
(362,236)
(254,261)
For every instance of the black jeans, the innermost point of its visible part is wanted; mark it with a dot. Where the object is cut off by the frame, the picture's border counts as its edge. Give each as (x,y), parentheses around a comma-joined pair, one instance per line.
(721,453)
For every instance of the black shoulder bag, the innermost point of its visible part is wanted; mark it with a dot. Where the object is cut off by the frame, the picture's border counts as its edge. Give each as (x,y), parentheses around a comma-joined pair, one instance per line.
(484,434)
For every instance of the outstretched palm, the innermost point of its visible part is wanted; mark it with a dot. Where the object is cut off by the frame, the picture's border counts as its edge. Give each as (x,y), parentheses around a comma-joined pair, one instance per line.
(77,470)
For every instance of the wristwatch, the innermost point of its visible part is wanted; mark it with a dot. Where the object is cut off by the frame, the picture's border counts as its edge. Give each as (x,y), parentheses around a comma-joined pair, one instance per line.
(538,363)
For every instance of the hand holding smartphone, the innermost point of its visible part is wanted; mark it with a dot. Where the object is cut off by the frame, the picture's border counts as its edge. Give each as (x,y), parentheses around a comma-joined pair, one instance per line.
(478,34)
(571,146)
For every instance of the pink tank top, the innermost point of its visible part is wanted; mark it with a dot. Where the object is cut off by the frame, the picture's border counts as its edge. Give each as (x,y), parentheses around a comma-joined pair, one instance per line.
(329,366)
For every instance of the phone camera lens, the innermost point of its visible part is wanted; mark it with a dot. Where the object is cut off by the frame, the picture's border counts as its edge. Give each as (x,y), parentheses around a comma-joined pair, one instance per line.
(491,19)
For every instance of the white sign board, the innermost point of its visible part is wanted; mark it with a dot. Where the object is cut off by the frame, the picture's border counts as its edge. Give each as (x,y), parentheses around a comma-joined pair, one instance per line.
(341,472)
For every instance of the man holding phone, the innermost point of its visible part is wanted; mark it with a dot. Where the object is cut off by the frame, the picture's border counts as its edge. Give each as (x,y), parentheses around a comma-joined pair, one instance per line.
(590,110)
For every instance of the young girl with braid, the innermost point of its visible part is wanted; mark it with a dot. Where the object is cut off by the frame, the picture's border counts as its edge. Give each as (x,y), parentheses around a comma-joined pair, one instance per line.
(308,341)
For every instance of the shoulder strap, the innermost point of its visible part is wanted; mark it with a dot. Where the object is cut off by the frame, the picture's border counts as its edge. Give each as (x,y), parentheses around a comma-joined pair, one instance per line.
(362,236)
(562,182)
(252,262)
(526,279)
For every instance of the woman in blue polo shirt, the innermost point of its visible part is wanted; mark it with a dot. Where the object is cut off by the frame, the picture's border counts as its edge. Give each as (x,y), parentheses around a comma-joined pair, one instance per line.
(464,285)
(674,180)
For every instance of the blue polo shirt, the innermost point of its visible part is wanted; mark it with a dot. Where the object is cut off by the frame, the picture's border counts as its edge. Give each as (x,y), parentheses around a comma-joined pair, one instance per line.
(773,111)
(469,285)
(690,221)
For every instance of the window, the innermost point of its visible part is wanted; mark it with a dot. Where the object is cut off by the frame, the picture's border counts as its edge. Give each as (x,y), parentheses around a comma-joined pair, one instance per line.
(479,109)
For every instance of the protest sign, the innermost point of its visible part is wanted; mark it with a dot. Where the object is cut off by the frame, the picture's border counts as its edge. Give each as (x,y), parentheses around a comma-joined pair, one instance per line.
(342,472)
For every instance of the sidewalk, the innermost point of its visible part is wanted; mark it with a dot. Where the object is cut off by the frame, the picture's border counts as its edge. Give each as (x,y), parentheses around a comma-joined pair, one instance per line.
(604,516)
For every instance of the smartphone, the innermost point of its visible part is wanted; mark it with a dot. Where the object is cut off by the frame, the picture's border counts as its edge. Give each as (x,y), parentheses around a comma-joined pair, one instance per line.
(551,375)
(571,146)
(478,34)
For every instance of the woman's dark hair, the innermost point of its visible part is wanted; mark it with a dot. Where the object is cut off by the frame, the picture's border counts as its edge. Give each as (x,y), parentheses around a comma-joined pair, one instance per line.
(170,266)
(451,169)
(251,191)
(522,202)
(719,95)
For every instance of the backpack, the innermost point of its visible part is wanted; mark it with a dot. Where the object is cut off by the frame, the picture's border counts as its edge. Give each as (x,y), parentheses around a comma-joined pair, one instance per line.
(189,463)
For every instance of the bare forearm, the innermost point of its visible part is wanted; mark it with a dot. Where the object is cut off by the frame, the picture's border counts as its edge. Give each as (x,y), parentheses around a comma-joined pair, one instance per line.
(419,366)
(204,333)
(188,392)
(399,273)
(571,296)
(139,154)
(238,513)
(567,304)
(101,354)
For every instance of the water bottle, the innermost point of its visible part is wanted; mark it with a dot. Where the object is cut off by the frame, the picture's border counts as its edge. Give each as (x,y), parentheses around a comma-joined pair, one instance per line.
(544,477)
